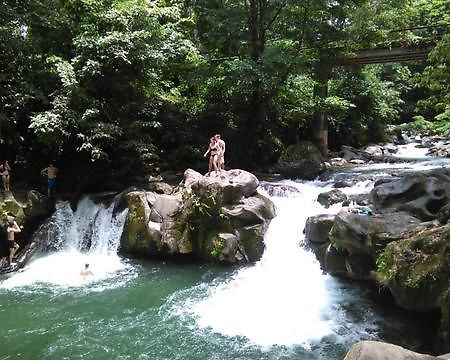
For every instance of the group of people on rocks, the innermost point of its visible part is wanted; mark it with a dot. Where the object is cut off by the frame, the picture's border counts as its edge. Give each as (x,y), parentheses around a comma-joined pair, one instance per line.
(216,151)
(50,172)
(9,246)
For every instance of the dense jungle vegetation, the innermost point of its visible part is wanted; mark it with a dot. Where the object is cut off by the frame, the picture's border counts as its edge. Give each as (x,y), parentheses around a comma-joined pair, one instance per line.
(140,85)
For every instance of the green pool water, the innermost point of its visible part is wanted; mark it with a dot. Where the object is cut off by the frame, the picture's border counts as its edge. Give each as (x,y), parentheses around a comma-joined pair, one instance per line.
(141,313)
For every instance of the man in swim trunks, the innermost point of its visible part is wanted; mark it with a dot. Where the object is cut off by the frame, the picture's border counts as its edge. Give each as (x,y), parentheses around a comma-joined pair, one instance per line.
(221,152)
(50,171)
(12,229)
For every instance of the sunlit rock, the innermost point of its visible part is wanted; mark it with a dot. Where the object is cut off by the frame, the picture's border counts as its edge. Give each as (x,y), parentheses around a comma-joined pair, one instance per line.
(375,350)
(302,160)
(219,217)
(421,195)
(331,197)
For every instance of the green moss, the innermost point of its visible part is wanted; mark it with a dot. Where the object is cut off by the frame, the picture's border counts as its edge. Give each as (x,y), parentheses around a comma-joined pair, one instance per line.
(136,224)
(200,220)
(418,267)
(218,247)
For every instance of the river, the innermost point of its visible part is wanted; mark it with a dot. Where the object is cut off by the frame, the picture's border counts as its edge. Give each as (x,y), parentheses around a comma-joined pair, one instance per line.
(282,307)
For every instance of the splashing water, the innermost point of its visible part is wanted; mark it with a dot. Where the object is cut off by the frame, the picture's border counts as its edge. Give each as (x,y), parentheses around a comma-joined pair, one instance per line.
(90,235)
(283,299)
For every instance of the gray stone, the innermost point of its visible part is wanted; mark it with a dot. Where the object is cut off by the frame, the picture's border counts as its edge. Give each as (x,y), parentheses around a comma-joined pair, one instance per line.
(421,195)
(331,197)
(318,227)
(302,161)
(375,350)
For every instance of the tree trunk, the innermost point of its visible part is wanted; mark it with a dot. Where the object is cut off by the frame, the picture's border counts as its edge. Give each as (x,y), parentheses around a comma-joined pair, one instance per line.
(256,119)
(320,124)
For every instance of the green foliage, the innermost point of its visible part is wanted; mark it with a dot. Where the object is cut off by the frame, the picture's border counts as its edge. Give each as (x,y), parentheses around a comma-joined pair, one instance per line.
(137,84)
(369,99)
(418,126)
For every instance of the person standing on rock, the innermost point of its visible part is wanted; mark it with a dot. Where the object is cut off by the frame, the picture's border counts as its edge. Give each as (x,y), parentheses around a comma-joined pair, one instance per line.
(5,172)
(12,229)
(50,171)
(221,152)
(213,150)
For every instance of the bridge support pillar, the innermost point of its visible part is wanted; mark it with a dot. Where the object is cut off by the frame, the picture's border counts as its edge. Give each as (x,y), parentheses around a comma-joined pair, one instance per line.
(322,73)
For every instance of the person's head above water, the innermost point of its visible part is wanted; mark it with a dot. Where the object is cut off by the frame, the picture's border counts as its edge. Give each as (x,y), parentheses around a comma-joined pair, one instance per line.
(86,266)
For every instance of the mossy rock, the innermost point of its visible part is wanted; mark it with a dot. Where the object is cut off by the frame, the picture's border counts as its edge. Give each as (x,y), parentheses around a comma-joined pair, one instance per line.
(417,269)
(136,237)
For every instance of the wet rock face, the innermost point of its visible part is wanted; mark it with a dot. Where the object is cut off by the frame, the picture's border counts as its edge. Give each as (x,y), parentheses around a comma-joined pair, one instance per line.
(219,217)
(301,161)
(421,195)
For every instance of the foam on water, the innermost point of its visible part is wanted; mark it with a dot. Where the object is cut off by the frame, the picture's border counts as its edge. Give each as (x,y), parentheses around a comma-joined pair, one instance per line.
(411,151)
(90,235)
(282,299)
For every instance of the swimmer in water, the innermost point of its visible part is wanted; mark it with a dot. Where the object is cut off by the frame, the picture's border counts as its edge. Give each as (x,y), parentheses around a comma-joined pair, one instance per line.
(86,271)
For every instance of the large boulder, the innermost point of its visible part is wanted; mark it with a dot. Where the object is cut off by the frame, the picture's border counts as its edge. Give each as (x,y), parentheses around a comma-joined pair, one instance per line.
(421,195)
(367,234)
(375,350)
(210,218)
(302,160)
(417,271)
(357,239)
(317,228)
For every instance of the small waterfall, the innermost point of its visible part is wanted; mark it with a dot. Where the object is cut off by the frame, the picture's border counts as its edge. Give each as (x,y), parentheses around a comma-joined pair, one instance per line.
(91,234)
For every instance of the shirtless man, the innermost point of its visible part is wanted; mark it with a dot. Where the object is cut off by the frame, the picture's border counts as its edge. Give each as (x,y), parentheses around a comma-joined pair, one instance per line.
(12,229)
(50,171)
(221,153)
(86,271)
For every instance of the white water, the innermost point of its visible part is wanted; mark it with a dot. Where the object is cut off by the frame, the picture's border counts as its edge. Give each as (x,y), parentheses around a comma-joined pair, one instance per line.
(284,298)
(92,224)
(411,151)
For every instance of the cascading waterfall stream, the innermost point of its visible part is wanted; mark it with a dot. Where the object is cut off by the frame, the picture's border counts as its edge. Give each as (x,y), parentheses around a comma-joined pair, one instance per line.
(91,235)
(285,298)
(282,307)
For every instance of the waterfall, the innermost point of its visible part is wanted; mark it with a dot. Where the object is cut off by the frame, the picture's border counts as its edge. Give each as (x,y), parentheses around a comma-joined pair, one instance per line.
(284,298)
(91,234)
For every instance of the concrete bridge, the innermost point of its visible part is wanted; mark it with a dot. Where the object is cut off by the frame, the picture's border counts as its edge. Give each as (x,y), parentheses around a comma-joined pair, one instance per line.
(387,55)
(395,53)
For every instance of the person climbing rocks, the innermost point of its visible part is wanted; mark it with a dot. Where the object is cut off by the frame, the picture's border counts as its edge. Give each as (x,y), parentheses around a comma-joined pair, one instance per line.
(11,230)
(51,172)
